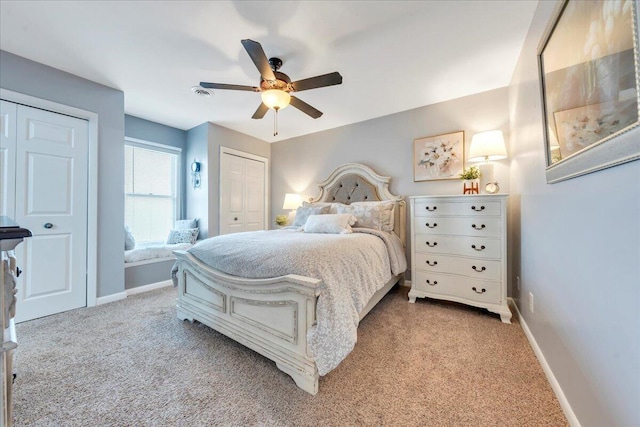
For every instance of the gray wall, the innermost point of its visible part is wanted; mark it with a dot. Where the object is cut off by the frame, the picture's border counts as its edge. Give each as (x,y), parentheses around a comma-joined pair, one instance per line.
(577,249)
(203,143)
(386,145)
(147,274)
(31,78)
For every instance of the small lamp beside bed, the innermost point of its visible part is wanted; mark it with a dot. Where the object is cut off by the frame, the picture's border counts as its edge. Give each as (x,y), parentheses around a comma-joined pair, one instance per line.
(291,202)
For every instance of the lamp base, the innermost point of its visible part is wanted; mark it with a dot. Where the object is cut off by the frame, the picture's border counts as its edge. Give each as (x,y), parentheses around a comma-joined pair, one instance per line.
(486,175)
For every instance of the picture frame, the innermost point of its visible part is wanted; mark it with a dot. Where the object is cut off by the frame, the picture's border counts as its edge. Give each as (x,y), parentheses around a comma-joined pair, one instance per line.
(438,157)
(589,80)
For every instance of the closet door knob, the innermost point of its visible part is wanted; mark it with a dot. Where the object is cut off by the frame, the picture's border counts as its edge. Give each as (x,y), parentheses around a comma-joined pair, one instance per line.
(48,225)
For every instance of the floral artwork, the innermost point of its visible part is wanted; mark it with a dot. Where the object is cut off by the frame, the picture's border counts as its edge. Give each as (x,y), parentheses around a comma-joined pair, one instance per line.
(438,157)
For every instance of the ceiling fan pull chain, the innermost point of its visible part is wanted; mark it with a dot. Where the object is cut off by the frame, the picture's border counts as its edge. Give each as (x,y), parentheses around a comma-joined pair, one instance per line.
(275,122)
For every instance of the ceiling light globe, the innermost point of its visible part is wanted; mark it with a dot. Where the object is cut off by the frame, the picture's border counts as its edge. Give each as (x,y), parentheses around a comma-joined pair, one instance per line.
(275,98)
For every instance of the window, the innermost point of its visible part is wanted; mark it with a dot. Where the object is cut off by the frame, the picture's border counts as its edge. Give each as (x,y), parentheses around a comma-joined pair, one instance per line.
(151,202)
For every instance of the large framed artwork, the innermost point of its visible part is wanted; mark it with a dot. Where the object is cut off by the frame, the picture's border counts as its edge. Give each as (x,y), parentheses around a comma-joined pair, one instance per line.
(588,63)
(438,157)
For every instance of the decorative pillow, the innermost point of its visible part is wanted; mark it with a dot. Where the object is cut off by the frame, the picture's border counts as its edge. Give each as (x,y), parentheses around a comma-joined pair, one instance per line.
(184,224)
(329,223)
(376,215)
(302,213)
(129,241)
(333,207)
(189,235)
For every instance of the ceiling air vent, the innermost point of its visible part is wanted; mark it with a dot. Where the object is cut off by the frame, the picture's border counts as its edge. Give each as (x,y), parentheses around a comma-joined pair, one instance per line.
(200,91)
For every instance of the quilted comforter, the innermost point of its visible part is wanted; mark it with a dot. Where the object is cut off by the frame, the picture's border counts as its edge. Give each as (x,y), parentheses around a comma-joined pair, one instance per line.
(352,268)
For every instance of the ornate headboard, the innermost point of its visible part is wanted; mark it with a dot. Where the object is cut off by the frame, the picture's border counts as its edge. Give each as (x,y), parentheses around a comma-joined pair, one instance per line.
(355,182)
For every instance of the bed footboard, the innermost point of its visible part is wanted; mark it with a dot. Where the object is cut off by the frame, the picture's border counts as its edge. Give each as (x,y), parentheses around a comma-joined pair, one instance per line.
(270,316)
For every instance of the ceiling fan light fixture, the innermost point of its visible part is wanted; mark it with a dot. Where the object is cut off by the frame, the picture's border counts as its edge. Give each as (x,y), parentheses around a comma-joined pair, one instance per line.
(275,98)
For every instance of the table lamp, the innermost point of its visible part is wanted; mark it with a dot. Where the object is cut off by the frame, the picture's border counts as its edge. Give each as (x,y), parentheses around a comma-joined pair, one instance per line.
(291,202)
(485,147)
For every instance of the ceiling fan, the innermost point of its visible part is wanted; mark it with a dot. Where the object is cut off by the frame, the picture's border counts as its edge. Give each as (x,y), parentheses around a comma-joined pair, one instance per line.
(276,87)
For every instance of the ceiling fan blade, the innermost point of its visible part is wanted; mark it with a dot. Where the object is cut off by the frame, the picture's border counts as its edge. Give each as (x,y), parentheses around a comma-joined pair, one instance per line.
(207,85)
(260,112)
(319,81)
(254,49)
(305,108)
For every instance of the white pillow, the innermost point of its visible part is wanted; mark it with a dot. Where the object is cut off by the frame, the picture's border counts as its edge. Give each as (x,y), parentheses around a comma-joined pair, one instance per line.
(375,215)
(329,223)
(189,235)
(184,224)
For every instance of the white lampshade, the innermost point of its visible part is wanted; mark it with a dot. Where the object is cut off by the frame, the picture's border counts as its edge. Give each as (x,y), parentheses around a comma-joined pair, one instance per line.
(487,146)
(275,98)
(292,201)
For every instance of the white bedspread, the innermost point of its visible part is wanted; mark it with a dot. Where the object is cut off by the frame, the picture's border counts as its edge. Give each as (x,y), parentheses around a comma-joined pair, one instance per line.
(352,267)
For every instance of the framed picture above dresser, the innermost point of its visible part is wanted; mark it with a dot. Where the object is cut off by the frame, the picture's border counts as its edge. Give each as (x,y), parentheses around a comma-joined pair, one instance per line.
(459,250)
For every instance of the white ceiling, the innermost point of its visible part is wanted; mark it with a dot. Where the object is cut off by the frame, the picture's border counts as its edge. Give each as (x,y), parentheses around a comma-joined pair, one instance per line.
(393,55)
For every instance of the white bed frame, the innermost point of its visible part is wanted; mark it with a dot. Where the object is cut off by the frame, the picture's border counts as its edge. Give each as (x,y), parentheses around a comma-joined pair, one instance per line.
(272,316)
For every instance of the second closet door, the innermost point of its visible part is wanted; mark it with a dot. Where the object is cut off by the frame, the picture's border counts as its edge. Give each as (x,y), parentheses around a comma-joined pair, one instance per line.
(242,194)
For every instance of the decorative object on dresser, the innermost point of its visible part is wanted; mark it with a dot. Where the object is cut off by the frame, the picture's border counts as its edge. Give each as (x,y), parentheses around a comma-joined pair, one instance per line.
(438,157)
(10,236)
(471,180)
(459,250)
(487,147)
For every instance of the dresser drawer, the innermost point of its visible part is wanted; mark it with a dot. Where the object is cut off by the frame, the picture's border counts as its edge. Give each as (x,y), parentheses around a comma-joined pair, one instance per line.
(476,247)
(457,286)
(483,269)
(466,226)
(437,207)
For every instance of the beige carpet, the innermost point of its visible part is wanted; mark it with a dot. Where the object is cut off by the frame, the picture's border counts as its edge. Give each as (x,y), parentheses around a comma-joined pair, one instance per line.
(133,363)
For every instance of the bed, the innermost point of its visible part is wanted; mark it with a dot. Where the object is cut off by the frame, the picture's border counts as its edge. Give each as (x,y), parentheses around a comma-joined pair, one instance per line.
(281,317)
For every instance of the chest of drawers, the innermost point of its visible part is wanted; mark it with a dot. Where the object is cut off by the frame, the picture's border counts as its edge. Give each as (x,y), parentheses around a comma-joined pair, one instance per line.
(459,250)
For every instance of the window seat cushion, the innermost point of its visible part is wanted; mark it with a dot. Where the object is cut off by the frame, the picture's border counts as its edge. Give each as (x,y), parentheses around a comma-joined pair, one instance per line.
(153,251)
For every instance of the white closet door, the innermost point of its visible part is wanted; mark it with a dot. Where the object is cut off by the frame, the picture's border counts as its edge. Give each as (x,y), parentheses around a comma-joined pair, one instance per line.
(232,190)
(242,194)
(8,111)
(254,195)
(51,201)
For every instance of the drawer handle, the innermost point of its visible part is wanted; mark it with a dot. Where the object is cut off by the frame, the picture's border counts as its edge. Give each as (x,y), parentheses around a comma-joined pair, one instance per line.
(430,209)
(477,228)
(431,246)
(435,282)
(474,247)
(435,224)
(48,225)
(434,263)
(479,270)
(479,292)
(18,271)
(477,209)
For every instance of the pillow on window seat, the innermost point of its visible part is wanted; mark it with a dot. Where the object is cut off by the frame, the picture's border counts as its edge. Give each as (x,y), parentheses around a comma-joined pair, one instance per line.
(129,241)
(188,235)
(184,224)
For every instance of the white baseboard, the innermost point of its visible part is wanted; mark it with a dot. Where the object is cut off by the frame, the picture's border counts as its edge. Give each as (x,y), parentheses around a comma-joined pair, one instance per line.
(555,386)
(111,298)
(149,287)
(407,283)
